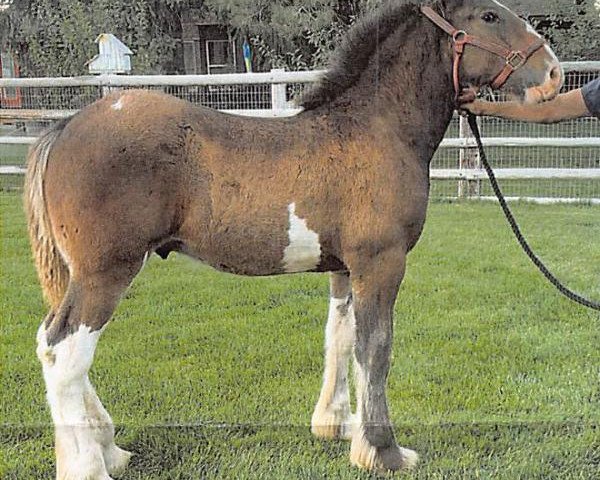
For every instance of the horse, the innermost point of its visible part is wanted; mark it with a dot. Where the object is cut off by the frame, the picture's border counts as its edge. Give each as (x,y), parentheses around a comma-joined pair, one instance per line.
(340,188)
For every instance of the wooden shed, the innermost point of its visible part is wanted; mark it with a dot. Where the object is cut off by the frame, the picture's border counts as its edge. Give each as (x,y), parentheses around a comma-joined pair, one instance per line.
(208,47)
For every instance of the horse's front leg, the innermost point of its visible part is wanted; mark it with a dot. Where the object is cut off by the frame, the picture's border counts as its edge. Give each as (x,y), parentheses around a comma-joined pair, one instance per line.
(332,417)
(375,283)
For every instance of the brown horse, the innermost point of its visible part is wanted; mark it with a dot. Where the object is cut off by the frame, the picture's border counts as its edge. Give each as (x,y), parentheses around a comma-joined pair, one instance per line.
(340,188)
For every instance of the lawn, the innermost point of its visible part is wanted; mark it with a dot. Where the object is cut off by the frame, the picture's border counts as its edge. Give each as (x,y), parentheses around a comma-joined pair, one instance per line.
(209,375)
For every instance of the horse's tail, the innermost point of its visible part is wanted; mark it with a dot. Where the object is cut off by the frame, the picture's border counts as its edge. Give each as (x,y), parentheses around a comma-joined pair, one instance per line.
(51,267)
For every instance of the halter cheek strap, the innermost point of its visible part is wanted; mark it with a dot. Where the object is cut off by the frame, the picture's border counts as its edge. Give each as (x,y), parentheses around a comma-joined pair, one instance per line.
(515,59)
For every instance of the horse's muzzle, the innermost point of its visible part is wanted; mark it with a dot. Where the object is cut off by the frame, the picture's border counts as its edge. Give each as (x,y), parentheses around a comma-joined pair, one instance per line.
(549,89)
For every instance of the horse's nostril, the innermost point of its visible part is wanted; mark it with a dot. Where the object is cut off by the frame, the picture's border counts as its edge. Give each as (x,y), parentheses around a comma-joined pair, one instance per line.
(556,74)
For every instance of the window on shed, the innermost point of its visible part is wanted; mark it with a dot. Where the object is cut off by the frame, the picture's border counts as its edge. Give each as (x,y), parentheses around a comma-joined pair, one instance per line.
(220,56)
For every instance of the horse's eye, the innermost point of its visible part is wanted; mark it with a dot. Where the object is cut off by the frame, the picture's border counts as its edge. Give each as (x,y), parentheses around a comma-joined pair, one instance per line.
(489,17)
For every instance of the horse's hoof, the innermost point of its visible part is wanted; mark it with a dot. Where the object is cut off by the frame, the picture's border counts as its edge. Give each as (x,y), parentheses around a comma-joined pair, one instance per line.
(330,424)
(79,472)
(116,460)
(381,459)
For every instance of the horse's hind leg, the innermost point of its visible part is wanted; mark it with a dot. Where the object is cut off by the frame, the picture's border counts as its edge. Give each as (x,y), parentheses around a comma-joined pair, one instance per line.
(84,433)
(115,458)
(332,417)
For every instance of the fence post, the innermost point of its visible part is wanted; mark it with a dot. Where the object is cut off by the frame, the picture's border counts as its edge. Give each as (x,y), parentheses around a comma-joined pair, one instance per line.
(106,89)
(468,159)
(278,93)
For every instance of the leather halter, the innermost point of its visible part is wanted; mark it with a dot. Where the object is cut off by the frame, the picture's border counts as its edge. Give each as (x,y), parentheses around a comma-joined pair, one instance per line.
(515,59)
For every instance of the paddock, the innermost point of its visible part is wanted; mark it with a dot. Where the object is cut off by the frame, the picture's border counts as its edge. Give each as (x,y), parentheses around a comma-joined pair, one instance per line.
(495,376)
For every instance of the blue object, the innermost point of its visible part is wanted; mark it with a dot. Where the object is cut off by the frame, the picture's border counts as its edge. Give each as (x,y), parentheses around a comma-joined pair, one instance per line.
(247,56)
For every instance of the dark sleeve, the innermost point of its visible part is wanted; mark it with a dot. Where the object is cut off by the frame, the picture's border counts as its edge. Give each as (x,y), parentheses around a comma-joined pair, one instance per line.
(591,95)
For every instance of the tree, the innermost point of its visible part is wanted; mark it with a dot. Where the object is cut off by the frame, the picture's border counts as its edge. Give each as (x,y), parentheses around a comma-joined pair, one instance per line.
(571,26)
(56,37)
(295,34)
(574,29)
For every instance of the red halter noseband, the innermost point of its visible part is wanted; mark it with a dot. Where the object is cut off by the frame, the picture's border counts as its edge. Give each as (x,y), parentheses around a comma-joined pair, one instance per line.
(515,59)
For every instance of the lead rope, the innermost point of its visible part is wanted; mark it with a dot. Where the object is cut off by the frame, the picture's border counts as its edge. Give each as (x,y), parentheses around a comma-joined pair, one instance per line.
(570,294)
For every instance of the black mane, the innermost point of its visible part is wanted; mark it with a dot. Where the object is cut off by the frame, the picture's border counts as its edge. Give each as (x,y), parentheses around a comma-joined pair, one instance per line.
(353,56)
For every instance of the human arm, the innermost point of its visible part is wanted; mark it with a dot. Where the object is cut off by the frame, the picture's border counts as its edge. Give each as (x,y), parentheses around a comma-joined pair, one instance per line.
(565,106)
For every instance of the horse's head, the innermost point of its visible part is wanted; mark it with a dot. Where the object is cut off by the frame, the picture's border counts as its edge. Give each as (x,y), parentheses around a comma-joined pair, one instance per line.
(502,50)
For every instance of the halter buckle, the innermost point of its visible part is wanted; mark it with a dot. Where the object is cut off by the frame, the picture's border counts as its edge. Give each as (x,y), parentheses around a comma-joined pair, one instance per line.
(459,36)
(516,60)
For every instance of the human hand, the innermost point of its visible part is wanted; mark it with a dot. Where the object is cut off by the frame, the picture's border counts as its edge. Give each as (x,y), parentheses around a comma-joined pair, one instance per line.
(468,101)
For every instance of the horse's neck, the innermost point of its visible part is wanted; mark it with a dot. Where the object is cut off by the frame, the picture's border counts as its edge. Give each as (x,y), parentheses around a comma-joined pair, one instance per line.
(411,96)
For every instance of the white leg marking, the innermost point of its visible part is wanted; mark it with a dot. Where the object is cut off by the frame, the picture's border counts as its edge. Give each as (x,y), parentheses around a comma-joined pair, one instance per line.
(118,105)
(362,453)
(304,250)
(332,416)
(84,430)
(115,458)
(144,260)
(339,339)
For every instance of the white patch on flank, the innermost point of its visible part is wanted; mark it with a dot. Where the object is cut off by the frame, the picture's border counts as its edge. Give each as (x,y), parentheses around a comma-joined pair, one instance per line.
(304,250)
(82,425)
(118,105)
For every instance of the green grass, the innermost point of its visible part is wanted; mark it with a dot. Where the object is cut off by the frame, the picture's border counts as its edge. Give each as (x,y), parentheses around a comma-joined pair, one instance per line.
(13,154)
(209,375)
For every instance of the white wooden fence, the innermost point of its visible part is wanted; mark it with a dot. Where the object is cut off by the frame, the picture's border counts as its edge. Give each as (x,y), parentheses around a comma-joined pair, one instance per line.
(276,87)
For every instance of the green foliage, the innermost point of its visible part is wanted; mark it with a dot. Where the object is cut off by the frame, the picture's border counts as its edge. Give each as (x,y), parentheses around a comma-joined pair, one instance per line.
(292,34)
(56,37)
(574,29)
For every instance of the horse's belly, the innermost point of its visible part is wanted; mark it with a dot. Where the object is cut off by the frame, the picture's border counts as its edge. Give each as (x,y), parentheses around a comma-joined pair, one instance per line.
(266,245)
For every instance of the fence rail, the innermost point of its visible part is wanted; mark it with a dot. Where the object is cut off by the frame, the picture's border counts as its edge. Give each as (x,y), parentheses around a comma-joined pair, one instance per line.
(560,162)
(275,77)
